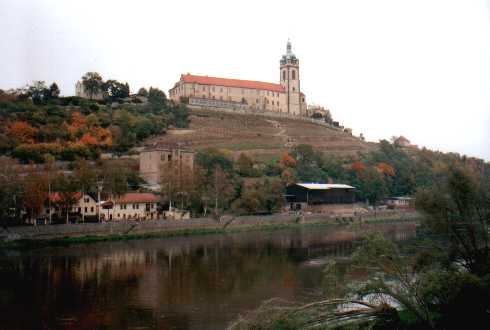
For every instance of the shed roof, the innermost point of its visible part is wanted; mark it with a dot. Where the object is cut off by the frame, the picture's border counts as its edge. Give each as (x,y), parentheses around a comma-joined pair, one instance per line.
(324,186)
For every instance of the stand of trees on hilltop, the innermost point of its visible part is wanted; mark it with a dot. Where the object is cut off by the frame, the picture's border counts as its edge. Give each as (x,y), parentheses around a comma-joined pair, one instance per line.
(37,122)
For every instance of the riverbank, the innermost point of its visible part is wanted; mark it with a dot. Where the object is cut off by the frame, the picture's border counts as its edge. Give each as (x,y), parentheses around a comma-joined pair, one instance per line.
(26,237)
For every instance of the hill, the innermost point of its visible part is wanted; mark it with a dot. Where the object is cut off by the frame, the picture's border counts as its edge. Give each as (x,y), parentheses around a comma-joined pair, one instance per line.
(258,135)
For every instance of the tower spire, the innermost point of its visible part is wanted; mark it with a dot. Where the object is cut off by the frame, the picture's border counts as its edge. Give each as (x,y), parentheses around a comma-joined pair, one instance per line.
(288,47)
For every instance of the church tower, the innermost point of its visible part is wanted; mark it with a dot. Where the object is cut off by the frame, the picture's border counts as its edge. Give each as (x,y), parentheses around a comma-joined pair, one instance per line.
(289,66)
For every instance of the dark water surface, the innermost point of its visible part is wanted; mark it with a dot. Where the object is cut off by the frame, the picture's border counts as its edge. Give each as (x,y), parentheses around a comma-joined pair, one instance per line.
(197,282)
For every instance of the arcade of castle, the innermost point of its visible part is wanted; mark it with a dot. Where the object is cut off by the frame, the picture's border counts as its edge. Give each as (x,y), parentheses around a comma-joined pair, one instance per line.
(285,97)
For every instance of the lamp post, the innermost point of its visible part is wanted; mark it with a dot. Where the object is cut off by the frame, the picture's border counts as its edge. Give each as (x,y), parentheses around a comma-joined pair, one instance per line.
(100,185)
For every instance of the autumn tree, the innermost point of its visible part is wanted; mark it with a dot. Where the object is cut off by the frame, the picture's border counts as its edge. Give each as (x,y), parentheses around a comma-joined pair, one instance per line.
(221,188)
(35,194)
(288,161)
(22,131)
(177,182)
(10,190)
(66,193)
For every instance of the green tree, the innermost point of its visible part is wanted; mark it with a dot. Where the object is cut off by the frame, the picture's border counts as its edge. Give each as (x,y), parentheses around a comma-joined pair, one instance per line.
(92,83)
(54,91)
(142,92)
(458,207)
(116,90)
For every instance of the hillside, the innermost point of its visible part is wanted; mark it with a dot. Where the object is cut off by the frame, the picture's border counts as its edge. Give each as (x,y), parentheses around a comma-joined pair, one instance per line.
(262,137)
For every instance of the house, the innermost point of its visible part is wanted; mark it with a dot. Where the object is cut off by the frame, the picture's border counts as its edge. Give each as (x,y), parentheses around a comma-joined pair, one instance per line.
(131,206)
(78,204)
(398,202)
(314,195)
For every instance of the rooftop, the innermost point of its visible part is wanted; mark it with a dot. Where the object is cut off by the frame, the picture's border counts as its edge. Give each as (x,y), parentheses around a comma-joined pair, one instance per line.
(137,198)
(227,82)
(324,186)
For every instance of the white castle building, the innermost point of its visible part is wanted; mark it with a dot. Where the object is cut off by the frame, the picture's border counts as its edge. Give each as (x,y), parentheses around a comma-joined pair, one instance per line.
(285,97)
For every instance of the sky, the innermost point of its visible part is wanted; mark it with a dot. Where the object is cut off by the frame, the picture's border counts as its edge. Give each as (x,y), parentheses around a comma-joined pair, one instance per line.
(417,68)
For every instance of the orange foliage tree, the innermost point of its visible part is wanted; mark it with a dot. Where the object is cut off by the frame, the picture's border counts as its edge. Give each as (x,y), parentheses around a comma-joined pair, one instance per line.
(385,169)
(22,131)
(288,161)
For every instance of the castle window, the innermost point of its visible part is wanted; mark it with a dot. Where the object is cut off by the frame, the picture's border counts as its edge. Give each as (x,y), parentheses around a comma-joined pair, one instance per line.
(243,91)
(221,98)
(221,89)
(294,74)
(212,88)
(294,89)
(272,102)
(283,74)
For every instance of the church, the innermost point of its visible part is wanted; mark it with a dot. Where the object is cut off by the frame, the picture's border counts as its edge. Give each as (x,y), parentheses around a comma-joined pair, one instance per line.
(285,97)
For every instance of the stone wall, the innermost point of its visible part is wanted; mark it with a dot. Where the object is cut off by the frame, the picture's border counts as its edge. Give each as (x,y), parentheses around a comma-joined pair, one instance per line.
(170,226)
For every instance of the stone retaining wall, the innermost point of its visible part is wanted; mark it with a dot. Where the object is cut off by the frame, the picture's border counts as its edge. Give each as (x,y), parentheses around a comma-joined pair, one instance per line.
(169,226)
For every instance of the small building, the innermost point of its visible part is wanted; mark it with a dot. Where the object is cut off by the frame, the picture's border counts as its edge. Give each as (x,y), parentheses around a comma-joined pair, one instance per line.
(303,195)
(152,160)
(82,205)
(131,206)
(398,202)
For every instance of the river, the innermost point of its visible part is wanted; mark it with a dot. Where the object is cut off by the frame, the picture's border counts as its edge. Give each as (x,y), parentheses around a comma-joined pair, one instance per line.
(194,282)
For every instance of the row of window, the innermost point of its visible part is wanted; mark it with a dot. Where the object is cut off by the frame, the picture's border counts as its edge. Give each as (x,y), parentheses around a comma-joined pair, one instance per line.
(242,101)
(135,206)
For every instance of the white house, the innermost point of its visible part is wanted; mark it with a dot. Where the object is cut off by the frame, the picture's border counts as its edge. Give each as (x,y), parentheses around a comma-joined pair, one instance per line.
(131,206)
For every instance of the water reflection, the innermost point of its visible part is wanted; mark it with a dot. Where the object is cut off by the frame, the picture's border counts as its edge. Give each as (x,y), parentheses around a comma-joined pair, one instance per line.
(199,282)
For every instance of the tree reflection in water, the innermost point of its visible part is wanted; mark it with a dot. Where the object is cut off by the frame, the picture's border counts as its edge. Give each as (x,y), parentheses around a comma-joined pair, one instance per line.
(197,282)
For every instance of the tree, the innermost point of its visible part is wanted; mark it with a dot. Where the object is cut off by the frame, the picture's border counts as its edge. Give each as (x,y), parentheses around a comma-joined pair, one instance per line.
(22,132)
(66,193)
(35,189)
(142,92)
(39,93)
(244,165)
(157,97)
(221,187)
(458,207)
(10,190)
(92,83)
(54,91)
(288,161)
(116,90)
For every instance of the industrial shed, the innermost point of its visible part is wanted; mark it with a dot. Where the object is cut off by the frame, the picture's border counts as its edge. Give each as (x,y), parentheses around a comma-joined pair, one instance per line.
(300,195)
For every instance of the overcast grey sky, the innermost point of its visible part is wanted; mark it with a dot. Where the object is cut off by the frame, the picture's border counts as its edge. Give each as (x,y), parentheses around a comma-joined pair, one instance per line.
(415,68)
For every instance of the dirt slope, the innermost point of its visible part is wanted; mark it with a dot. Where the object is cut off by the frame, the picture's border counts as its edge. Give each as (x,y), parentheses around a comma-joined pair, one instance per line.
(262,137)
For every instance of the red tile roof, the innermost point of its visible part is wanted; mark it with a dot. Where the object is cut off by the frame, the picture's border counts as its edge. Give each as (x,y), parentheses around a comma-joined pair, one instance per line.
(226,82)
(137,198)
(56,197)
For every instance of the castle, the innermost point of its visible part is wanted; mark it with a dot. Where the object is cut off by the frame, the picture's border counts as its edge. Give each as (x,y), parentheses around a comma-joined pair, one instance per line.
(285,97)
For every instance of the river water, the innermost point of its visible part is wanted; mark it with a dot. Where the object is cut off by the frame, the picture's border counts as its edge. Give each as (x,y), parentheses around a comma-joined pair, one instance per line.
(196,282)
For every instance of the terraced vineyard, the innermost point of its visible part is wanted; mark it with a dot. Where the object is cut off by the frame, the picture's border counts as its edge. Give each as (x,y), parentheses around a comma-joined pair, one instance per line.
(262,137)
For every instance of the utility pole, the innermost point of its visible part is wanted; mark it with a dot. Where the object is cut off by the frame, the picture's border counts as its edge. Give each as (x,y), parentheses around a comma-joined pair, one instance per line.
(100,185)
